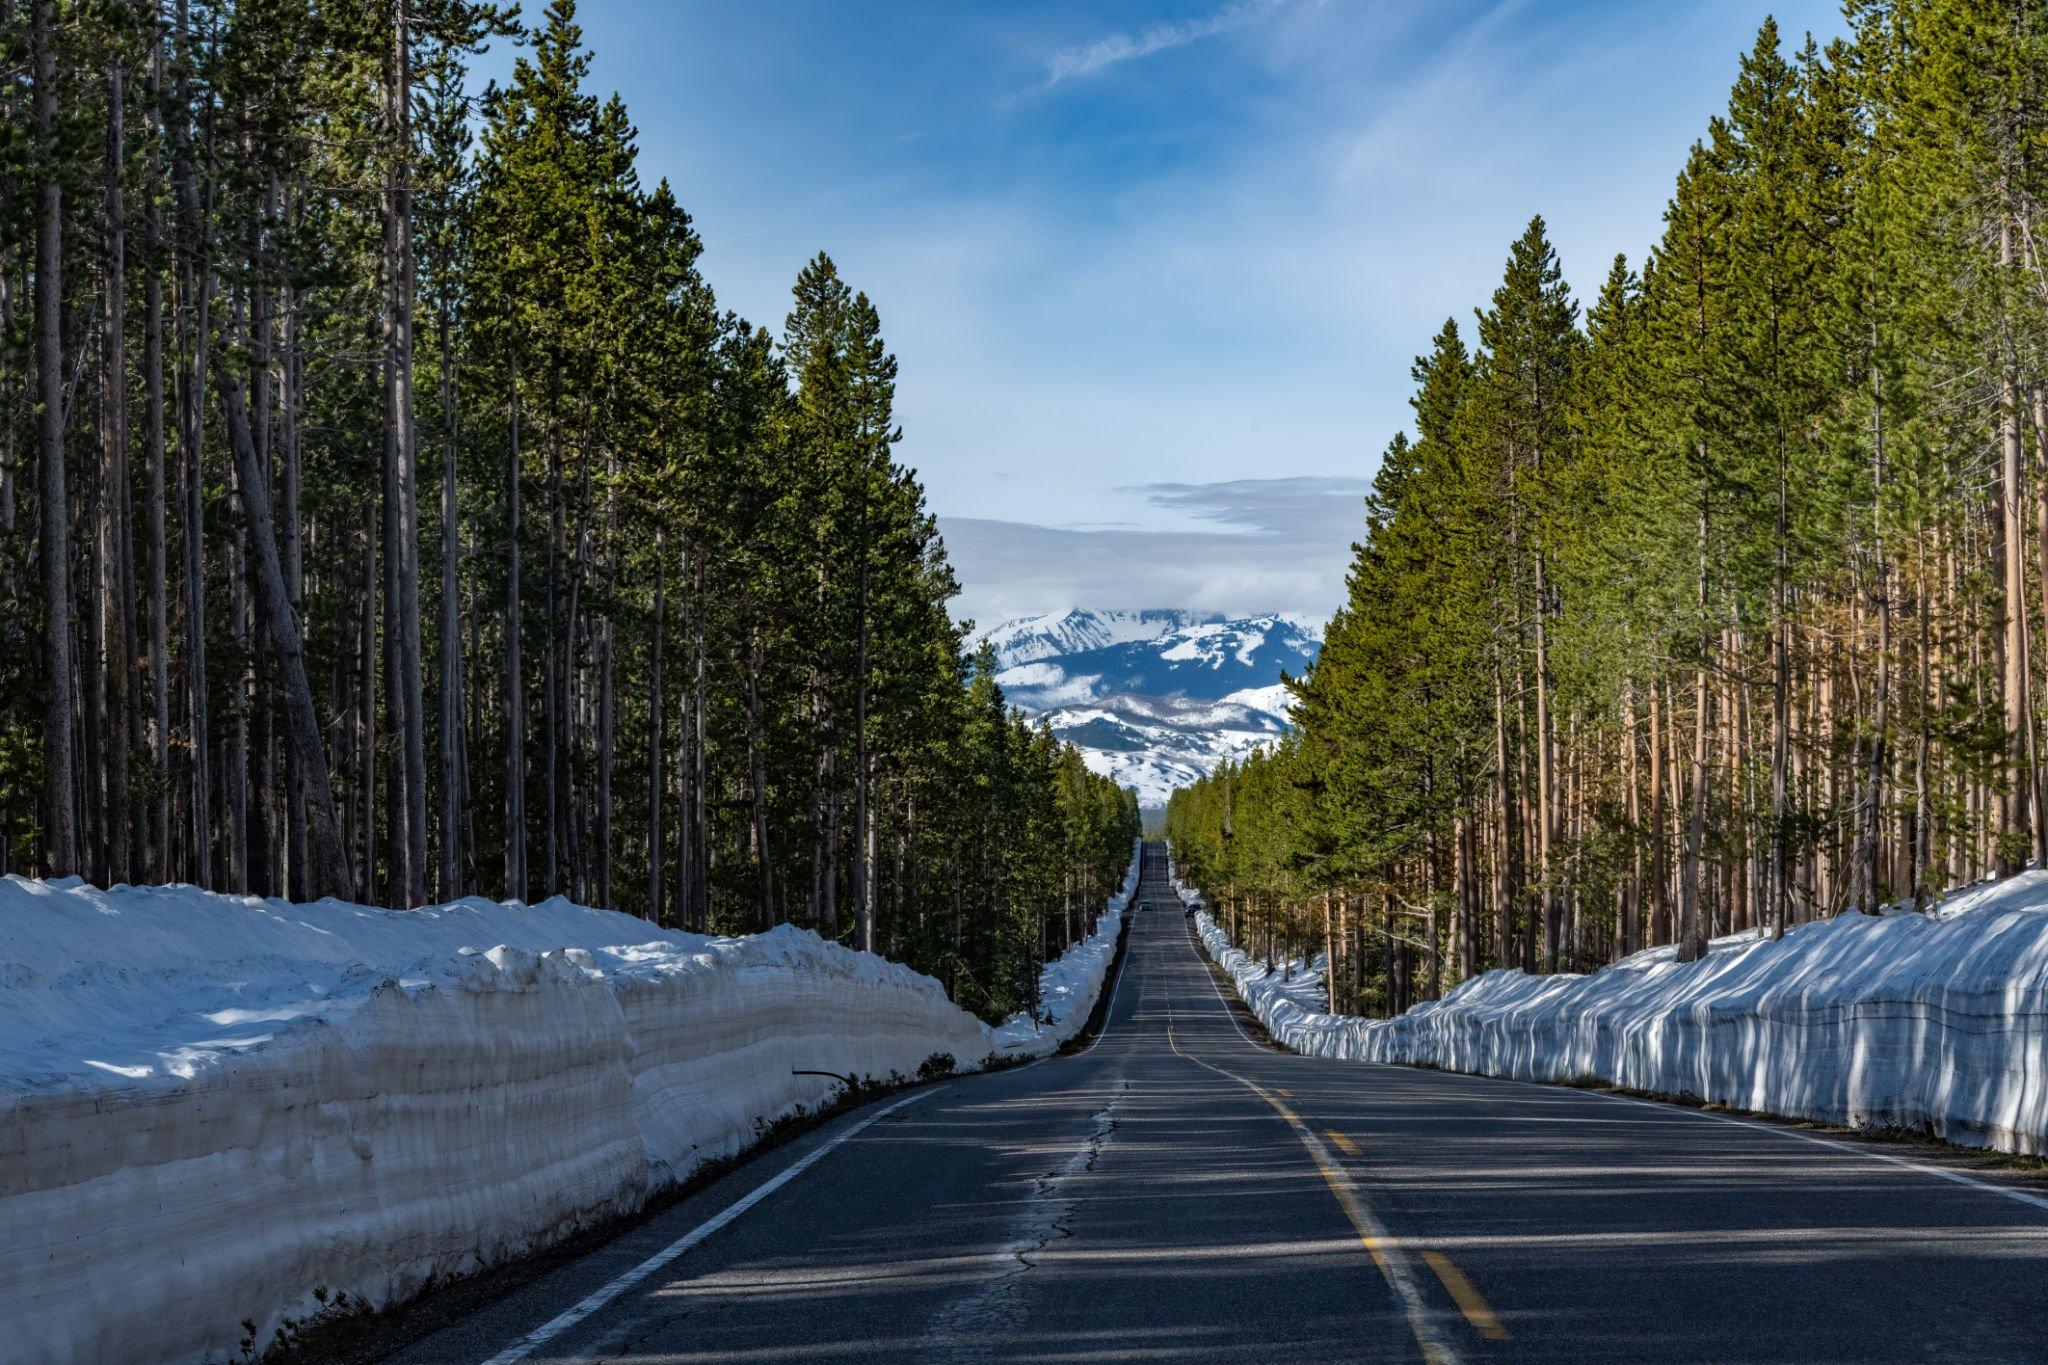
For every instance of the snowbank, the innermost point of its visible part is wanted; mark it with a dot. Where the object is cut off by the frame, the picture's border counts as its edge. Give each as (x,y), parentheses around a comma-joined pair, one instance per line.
(1069,985)
(1936,1023)
(212,1107)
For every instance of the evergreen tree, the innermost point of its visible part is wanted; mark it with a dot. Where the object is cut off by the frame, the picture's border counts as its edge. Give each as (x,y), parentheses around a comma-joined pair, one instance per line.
(1751,608)
(692,653)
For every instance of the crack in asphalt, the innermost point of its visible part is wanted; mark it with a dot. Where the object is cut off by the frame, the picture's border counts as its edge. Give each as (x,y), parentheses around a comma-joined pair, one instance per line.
(972,1328)
(1081,1163)
(645,1335)
(1049,1218)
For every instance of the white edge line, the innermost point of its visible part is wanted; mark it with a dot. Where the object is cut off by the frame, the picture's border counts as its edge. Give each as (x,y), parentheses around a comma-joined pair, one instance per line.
(1203,962)
(2006,1191)
(1677,1110)
(1781,1129)
(1123,962)
(598,1298)
(1849,1148)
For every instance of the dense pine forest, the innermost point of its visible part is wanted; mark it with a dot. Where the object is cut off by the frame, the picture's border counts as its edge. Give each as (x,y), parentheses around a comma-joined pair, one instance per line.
(389,511)
(1717,605)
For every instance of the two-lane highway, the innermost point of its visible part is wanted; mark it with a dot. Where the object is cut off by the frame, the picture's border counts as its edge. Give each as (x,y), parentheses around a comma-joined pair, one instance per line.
(1178,1192)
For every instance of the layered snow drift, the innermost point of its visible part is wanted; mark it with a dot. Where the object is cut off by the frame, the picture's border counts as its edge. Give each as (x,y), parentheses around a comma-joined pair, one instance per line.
(1937,1023)
(212,1107)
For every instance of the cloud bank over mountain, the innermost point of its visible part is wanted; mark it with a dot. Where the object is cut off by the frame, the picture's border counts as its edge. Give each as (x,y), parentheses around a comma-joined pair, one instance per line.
(1237,548)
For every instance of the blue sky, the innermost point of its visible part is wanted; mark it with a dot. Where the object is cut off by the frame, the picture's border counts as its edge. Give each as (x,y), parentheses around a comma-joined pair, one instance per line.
(1155,272)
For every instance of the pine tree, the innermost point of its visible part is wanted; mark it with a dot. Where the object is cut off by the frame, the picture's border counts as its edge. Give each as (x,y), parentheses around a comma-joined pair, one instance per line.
(668,542)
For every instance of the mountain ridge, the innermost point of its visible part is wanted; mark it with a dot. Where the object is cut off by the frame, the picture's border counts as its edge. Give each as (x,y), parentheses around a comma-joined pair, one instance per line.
(1154,698)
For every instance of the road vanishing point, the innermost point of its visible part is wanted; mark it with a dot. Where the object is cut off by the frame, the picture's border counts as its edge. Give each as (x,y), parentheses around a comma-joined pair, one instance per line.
(1181,1192)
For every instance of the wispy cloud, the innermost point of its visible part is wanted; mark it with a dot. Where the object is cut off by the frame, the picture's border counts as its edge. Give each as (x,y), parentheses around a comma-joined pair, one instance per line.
(1225,275)
(1113,49)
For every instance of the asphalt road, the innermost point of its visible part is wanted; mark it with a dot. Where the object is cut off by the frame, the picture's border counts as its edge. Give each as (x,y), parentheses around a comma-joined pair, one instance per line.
(1181,1193)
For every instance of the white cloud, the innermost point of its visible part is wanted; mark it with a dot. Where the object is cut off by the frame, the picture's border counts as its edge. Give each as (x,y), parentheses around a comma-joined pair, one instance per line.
(1228,277)
(1288,551)
(1089,58)
(1319,508)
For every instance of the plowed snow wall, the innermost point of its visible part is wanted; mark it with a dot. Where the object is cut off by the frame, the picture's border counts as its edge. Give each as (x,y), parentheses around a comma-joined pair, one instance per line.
(211,1106)
(1069,985)
(1934,1023)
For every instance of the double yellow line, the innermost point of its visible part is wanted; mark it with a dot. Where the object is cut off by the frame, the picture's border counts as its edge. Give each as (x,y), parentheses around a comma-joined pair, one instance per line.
(1463,1292)
(1393,1264)
(1468,1298)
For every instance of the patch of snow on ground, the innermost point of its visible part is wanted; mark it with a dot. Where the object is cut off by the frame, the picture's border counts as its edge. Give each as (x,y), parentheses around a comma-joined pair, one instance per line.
(1937,1023)
(1069,984)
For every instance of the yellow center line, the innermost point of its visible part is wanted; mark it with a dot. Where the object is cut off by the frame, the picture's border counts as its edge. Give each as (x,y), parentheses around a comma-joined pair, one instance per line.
(1344,1143)
(1392,1262)
(1288,1093)
(1470,1301)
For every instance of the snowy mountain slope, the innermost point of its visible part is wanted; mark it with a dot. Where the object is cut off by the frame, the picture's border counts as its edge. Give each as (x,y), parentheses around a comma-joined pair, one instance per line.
(1154,699)
(1076,630)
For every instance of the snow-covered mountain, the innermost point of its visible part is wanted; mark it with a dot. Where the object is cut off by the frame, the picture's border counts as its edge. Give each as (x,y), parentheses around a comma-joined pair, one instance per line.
(1155,699)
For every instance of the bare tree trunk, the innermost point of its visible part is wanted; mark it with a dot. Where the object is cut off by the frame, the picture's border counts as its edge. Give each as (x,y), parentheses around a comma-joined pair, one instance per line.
(1329,955)
(686,770)
(235,759)
(89,715)
(196,281)
(451,734)
(1691,936)
(1507,877)
(870,834)
(654,728)
(1923,811)
(366,711)
(602,836)
(60,789)
(863,775)
(2040,773)
(1781,698)
(409,880)
(1666,804)
(327,871)
(515,690)
(2015,824)
(116,555)
(829,920)
(698,816)
(1546,777)
(263,847)
(758,782)
(551,686)
(388,622)
(1468,892)
(607,696)
(159,569)
(294,565)
(1874,794)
